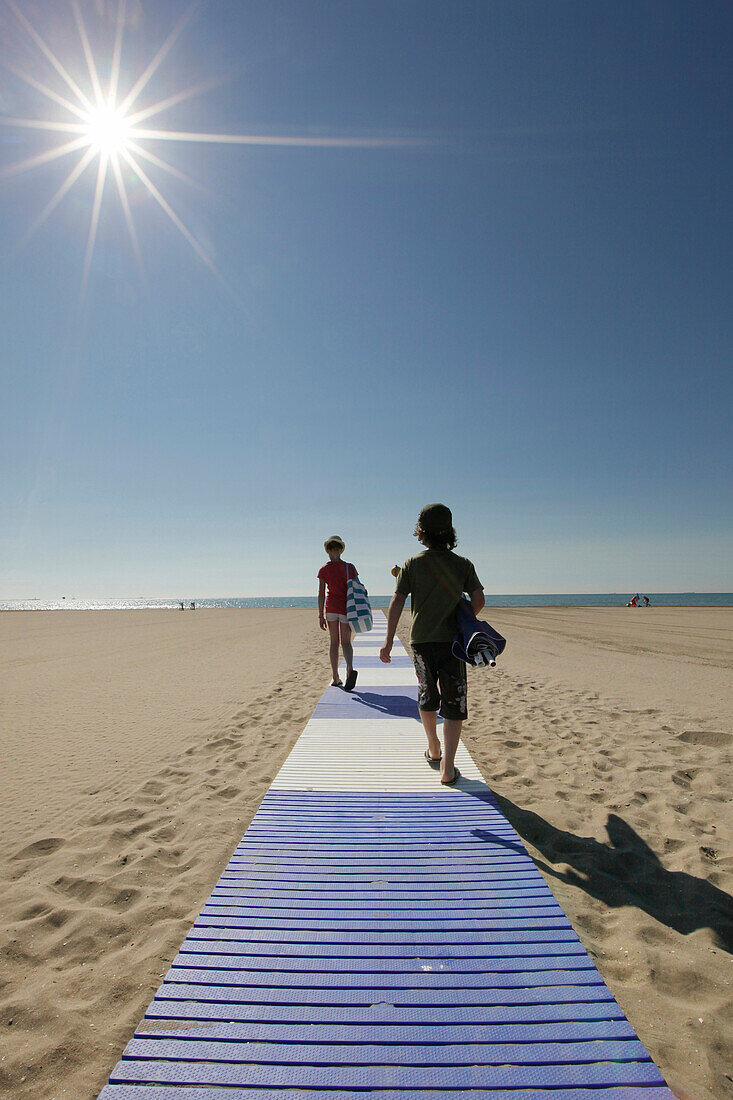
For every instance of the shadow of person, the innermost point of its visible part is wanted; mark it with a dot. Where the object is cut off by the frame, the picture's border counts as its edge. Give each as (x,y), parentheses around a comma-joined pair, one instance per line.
(626,872)
(499,841)
(401,706)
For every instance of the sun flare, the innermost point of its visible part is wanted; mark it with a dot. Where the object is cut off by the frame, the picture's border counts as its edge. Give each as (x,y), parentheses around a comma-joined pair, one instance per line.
(108,130)
(100,119)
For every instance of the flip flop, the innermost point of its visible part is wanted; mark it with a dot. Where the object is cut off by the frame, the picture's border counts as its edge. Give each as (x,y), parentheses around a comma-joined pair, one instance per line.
(337,683)
(450,782)
(433,761)
(351,680)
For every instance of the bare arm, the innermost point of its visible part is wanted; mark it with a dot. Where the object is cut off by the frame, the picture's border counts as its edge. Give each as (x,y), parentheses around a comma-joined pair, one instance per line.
(321,604)
(478,601)
(394,611)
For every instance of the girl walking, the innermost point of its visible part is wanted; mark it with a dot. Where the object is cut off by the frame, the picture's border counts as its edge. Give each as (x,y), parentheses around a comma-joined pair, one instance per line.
(332,609)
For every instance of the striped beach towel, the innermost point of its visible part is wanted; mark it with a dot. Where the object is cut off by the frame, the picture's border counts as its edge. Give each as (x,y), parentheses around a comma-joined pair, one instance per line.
(358,608)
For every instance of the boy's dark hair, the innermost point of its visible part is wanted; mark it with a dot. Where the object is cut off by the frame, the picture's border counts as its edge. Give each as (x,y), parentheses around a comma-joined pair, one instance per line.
(437,540)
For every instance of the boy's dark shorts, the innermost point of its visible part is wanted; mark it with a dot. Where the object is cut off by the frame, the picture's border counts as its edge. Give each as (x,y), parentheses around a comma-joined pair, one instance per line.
(441,680)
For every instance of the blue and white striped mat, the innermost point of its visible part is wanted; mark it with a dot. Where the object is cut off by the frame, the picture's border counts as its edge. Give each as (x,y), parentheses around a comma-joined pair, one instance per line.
(377,933)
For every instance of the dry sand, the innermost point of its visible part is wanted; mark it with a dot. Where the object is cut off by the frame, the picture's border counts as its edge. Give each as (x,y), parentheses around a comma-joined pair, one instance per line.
(137,746)
(608,736)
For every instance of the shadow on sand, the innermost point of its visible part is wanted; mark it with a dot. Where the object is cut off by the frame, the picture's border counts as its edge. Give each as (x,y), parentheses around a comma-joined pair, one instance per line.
(626,872)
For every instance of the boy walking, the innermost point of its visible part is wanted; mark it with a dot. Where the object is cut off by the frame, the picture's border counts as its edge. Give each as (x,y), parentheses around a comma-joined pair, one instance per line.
(436,580)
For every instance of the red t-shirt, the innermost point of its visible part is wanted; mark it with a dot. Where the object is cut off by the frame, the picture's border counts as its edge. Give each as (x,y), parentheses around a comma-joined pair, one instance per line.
(334,574)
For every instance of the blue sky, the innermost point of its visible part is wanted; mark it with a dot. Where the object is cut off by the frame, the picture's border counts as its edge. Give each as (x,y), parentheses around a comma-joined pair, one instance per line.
(522,307)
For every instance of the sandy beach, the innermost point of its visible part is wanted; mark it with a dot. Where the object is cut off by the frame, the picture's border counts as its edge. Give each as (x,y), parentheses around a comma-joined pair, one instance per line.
(138,745)
(607,735)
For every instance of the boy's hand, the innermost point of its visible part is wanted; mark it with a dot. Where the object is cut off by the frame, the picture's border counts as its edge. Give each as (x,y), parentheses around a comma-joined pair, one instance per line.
(384,653)
(321,622)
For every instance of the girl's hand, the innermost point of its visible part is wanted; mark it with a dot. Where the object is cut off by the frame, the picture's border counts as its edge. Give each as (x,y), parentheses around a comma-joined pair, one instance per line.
(321,622)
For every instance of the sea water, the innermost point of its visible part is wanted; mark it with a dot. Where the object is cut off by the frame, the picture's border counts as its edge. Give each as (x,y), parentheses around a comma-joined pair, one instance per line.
(545,599)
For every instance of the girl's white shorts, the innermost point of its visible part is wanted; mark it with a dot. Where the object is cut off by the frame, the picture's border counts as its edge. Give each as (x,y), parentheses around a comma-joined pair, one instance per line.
(334,617)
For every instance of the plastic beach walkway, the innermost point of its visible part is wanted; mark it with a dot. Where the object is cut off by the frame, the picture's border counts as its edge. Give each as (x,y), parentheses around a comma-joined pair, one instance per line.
(377,933)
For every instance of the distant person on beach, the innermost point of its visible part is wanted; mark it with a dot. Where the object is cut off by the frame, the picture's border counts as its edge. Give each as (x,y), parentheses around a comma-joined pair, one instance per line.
(646,600)
(435,580)
(332,609)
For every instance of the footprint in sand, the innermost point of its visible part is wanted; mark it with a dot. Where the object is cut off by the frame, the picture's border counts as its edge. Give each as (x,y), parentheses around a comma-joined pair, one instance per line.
(673,844)
(711,738)
(153,787)
(119,817)
(45,847)
(684,778)
(217,741)
(78,888)
(38,909)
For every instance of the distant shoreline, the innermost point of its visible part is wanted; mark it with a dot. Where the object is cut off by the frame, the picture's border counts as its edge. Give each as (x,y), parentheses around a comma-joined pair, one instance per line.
(493,600)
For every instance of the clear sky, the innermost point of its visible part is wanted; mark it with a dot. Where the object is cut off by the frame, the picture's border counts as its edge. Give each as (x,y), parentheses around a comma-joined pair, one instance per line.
(514,296)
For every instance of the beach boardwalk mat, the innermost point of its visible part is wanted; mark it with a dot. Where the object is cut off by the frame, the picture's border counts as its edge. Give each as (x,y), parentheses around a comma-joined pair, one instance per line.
(377,933)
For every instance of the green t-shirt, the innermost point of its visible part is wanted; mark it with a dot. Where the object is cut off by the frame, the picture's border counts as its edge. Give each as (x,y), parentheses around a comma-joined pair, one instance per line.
(436,580)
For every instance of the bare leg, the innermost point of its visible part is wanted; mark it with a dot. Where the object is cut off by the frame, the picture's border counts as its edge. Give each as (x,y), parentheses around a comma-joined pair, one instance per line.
(451,737)
(429,719)
(347,646)
(333,652)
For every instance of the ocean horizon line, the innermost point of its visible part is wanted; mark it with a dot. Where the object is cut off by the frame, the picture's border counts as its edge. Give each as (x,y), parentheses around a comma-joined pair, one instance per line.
(505,599)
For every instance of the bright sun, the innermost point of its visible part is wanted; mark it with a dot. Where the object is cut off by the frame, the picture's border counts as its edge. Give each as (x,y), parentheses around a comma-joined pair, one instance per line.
(108,129)
(101,128)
